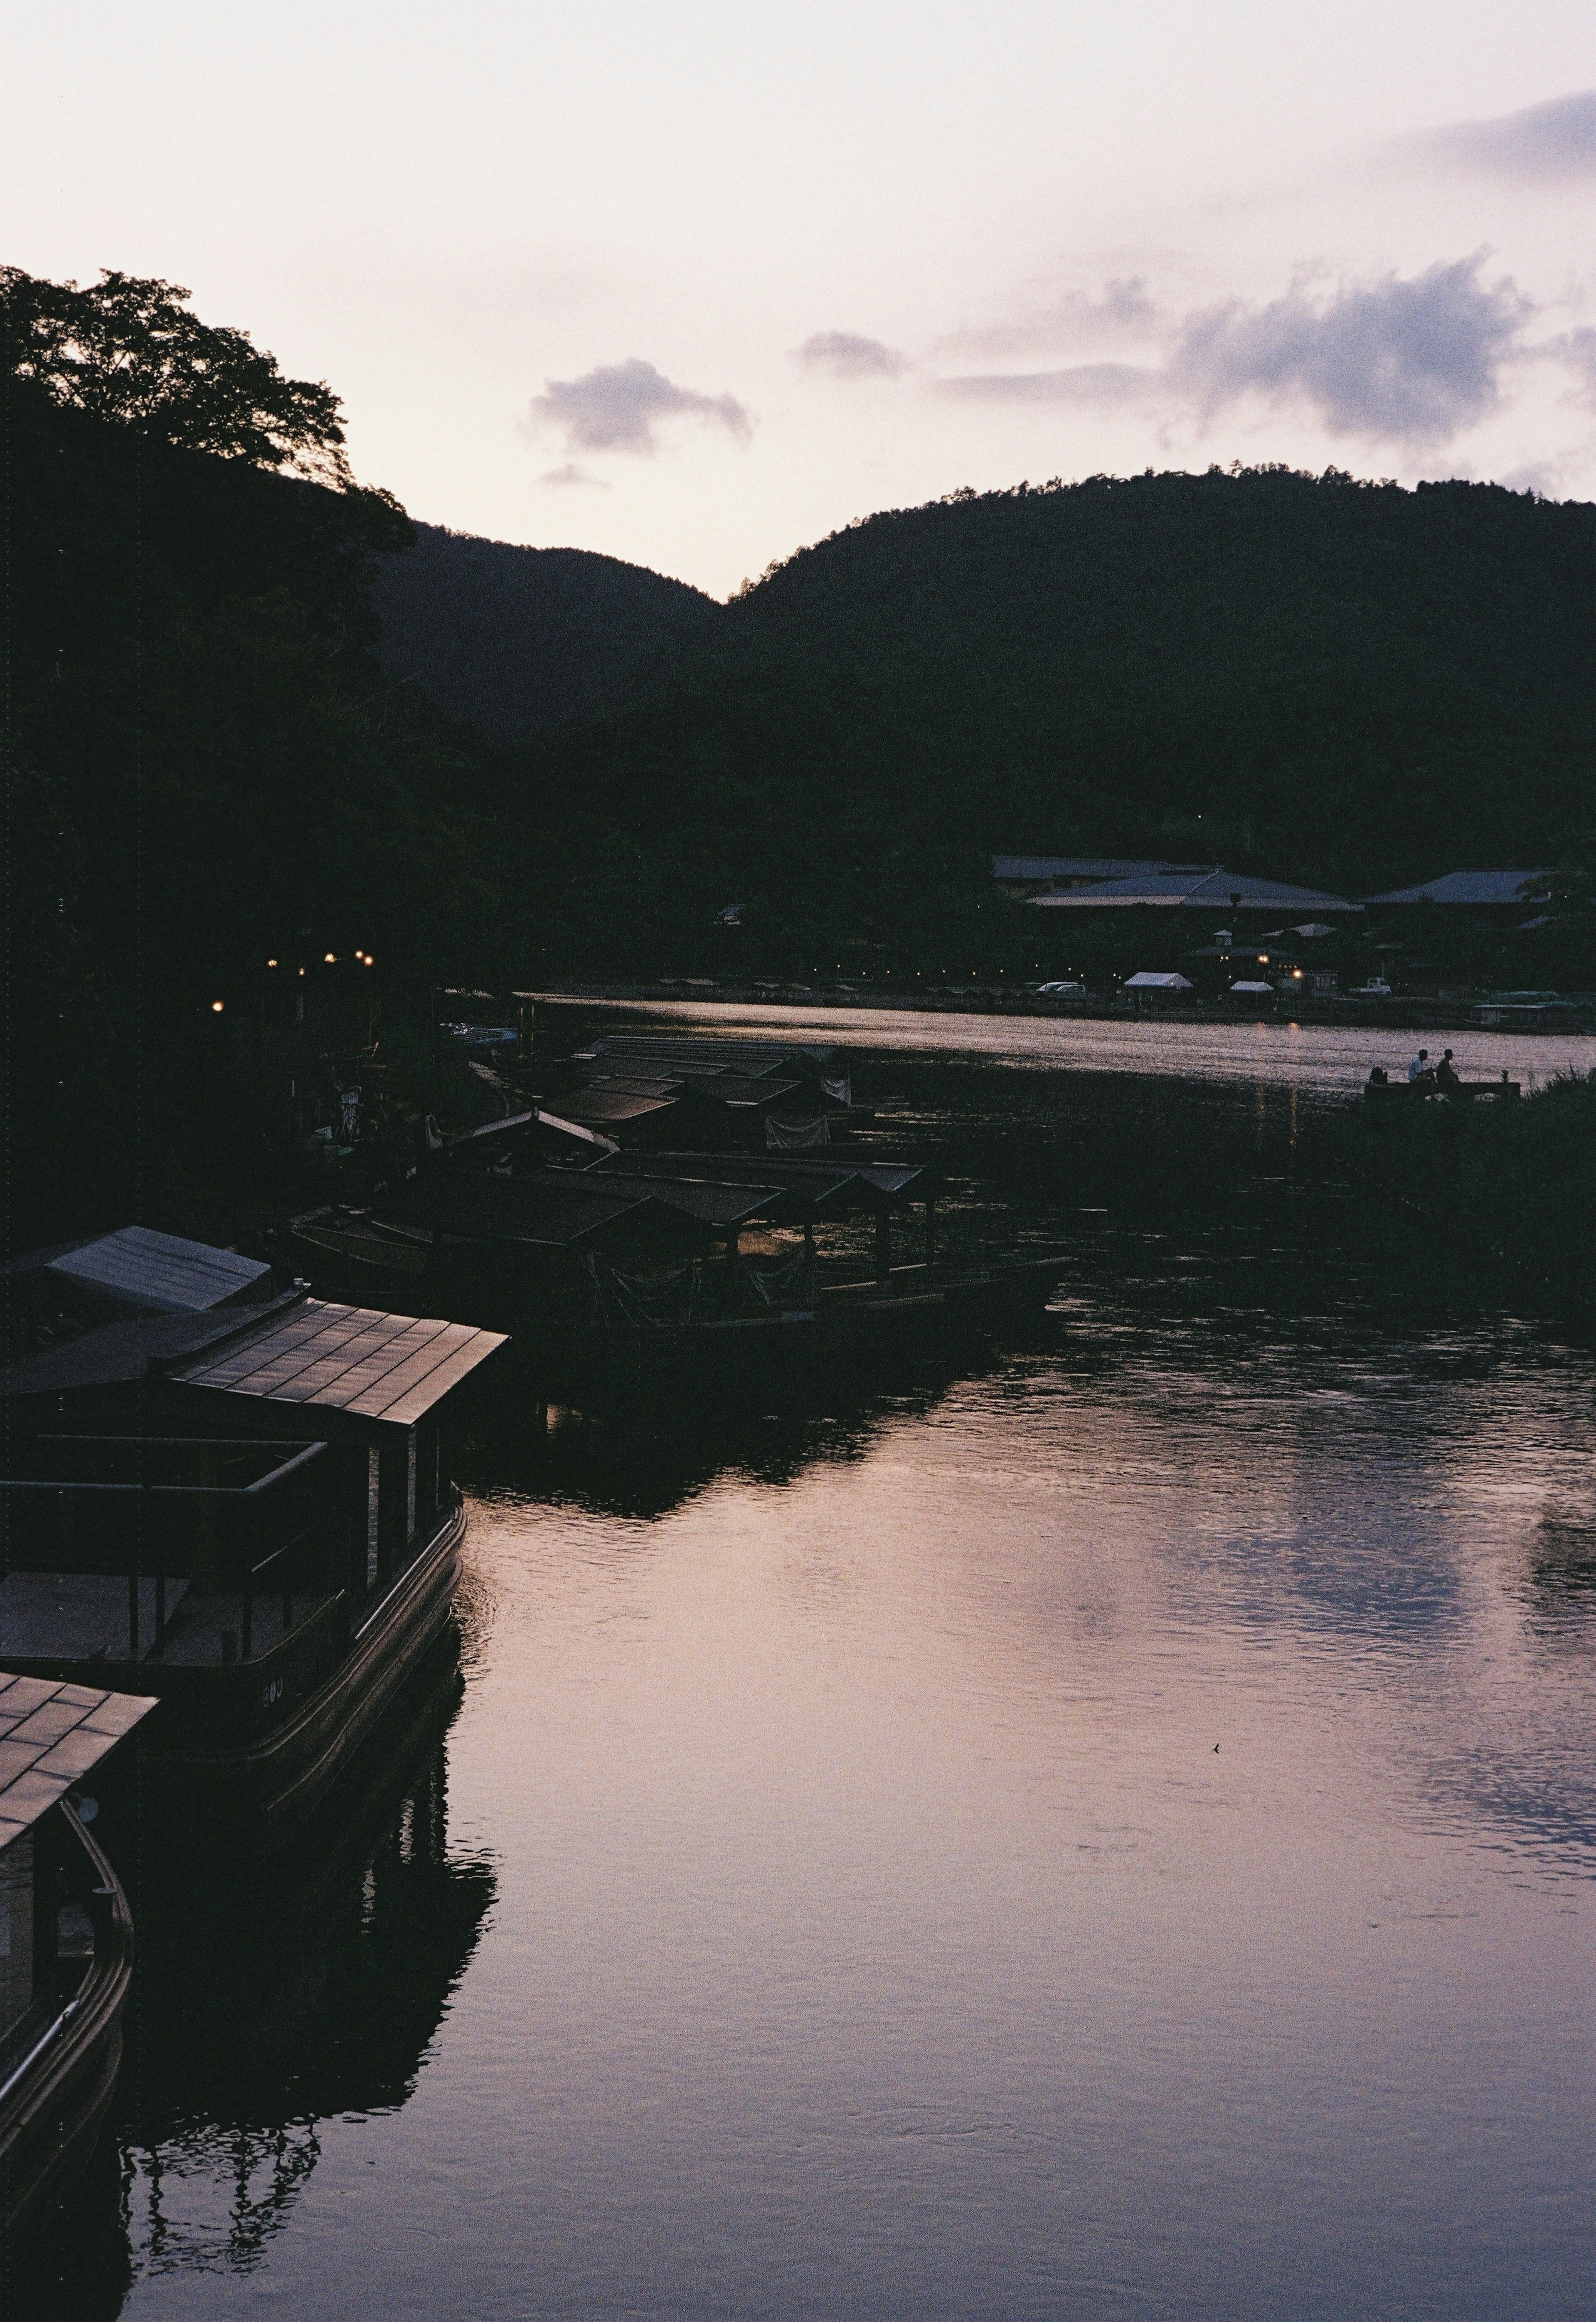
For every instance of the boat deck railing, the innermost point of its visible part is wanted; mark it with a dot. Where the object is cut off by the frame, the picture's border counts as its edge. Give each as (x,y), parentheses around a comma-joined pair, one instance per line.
(167,1519)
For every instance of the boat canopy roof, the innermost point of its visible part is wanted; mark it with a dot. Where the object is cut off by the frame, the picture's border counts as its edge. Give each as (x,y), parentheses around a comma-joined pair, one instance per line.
(800,1186)
(491,1133)
(392,1367)
(51,1737)
(720,1202)
(671,1052)
(553,1209)
(159,1272)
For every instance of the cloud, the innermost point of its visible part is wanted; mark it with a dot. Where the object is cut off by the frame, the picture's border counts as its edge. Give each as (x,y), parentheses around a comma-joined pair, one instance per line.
(1550,145)
(1410,362)
(1074,318)
(572,474)
(1399,361)
(1082,383)
(618,407)
(846,355)
(1577,349)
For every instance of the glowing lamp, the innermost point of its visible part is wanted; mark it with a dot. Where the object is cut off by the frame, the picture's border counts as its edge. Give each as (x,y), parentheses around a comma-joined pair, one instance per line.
(216,1008)
(329,957)
(271,962)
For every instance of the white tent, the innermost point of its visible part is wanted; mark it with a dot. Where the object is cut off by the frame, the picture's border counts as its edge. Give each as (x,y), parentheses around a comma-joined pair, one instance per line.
(1257,988)
(1147,981)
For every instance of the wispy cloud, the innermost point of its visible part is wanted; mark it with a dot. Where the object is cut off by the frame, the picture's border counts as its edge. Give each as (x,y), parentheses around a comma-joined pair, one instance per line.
(1549,144)
(570,473)
(1080,383)
(618,407)
(1411,361)
(1071,318)
(845,354)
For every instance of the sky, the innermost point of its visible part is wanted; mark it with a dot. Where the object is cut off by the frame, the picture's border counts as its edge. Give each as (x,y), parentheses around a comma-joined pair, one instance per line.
(694,283)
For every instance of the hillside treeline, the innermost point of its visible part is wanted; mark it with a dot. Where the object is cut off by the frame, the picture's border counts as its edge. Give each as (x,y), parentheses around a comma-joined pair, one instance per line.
(1350,684)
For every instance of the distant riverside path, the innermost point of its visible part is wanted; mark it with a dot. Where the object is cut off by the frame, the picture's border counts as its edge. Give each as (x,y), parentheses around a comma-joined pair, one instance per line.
(1317,1059)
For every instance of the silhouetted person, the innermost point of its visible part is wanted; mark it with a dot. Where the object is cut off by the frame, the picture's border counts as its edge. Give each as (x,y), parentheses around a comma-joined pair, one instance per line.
(1446,1079)
(1419,1069)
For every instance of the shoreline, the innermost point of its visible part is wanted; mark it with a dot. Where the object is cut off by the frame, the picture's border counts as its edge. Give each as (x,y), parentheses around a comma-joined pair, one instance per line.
(1396,1015)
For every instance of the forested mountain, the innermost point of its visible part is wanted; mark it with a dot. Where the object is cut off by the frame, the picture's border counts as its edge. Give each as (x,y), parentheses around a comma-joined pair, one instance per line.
(523,641)
(1351,684)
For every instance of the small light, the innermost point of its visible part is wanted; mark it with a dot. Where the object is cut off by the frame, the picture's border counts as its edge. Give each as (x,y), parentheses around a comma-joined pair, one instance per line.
(271,962)
(302,970)
(331,957)
(216,1008)
(370,960)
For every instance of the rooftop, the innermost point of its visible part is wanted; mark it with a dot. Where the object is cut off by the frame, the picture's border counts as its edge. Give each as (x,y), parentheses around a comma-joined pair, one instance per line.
(1470,887)
(1206,890)
(299,1350)
(389,1367)
(159,1272)
(1029,867)
(50,1737)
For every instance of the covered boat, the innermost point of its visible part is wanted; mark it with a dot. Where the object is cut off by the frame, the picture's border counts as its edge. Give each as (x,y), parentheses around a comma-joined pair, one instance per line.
(66,1936)
(246,1512)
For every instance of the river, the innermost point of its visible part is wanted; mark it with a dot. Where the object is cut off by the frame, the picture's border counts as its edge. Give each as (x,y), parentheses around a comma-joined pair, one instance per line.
(1106,1833)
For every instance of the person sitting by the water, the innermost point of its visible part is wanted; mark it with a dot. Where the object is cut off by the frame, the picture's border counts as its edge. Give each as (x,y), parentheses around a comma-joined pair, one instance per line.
(1419,1069)
(1446,1079)
(1378,1077)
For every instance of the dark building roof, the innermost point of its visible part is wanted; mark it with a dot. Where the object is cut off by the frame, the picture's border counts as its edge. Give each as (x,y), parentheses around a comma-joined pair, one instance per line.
(1200,891)
(1470,887)
(1035,867)
(159,1272)
(52,1736)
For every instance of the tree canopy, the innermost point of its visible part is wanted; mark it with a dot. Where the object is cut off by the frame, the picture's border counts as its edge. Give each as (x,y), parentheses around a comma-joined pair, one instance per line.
(130,350)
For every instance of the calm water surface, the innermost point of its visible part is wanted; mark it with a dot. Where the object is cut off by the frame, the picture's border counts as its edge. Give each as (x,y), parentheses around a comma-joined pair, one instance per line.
(1108,1835)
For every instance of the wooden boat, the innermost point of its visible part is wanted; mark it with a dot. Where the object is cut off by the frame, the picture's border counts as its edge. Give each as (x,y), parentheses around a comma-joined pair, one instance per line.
(631,1275)
(66,1958)
(248,1515)
(1397,1095)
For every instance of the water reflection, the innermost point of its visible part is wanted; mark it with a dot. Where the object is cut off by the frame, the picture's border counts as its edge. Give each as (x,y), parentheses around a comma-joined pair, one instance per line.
(1105,1829)
(309,1991)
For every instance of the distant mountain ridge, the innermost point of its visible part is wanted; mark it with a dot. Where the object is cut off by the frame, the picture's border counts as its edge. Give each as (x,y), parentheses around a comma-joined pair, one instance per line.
(520,643)
(1342,683)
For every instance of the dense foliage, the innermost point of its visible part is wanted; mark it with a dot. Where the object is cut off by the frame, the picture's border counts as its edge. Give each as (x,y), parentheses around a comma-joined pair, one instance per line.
(204,763)
(1352,685)
(130,350)
(524,641)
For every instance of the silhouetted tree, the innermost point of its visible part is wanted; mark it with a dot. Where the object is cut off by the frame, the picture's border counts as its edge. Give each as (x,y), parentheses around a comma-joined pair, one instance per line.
(130,350)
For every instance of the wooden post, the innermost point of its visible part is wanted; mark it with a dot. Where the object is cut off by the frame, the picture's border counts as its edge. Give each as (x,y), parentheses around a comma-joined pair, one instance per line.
(883,1245)
(809,1261)
(930,1230)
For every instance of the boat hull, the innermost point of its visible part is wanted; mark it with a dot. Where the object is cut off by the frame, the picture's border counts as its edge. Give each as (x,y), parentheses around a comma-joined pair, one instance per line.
(213,1775)
(52,2114)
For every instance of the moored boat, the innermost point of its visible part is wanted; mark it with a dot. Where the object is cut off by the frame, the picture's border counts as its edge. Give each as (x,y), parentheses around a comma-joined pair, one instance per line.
(248,1514)
(65,1938)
